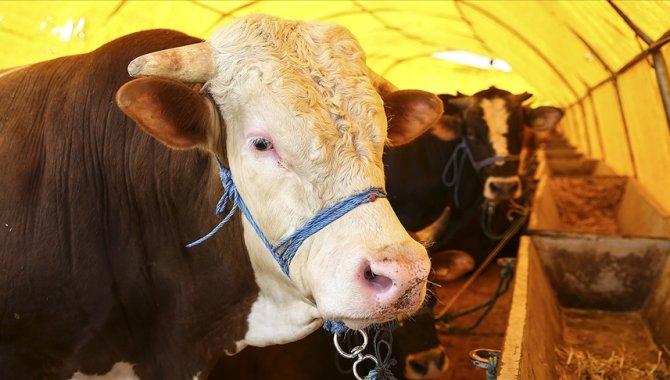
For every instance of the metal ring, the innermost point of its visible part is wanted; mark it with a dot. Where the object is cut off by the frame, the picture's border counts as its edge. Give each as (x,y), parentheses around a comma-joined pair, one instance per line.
(354,351)
(361,359)
(506,261)
(481,357)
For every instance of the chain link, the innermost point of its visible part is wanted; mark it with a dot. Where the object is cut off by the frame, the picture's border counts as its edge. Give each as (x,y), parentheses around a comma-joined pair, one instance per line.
(356,353)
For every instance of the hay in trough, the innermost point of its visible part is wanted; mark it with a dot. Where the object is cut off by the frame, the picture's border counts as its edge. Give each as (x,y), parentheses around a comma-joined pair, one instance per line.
(588,204)
(583,365)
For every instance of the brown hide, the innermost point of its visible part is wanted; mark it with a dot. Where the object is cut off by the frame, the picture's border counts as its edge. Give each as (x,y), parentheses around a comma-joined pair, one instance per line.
(94,218)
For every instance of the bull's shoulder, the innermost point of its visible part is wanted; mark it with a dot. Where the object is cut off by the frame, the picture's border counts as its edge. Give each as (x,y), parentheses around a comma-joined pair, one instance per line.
(82,84)
(65,106)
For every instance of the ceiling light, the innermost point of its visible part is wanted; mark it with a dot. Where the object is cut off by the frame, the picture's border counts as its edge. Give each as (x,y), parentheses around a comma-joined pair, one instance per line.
(67,31)
(468,58)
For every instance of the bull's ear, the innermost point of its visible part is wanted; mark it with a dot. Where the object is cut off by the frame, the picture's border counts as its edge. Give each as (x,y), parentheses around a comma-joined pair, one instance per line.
(455,104)
(543,118)
(448,128)
(170,111)
(410,113)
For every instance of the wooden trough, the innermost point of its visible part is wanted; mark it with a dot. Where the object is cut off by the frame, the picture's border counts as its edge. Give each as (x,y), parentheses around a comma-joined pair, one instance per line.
(576,167)
(569,163)
(562,153)
(566,204)
(601,294)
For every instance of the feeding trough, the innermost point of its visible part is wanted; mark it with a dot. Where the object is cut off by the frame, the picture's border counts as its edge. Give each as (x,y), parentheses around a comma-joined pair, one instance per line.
(550,316)
(613,205)
(592,285)
(576,167)
(564,160)
(562,153)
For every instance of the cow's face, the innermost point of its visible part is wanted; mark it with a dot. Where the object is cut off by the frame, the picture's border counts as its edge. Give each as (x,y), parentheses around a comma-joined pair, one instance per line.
(303,126)
(493,122)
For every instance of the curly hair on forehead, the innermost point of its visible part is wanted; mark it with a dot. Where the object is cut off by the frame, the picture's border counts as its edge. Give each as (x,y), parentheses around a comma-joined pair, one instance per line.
(316,69)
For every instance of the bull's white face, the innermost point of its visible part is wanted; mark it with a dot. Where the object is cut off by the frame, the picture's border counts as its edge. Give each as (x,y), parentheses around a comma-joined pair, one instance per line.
(304,129)
(496,115)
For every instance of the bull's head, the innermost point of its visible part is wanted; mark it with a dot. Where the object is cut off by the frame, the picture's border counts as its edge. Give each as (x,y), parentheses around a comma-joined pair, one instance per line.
(495,124)
(293,111)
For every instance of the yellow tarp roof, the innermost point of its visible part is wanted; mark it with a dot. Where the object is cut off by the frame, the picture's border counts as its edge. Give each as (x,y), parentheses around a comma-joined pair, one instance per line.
(553,47)
(564,52)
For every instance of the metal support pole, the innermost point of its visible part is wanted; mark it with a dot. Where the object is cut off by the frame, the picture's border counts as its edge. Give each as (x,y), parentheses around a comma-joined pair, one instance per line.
(663,82)
(659,63)
(643,36)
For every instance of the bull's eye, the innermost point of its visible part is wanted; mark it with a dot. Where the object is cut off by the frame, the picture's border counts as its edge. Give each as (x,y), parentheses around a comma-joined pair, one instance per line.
(261,144)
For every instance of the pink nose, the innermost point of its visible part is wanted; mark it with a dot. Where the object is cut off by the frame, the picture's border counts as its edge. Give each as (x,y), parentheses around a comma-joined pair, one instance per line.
(394,283)
(378,277)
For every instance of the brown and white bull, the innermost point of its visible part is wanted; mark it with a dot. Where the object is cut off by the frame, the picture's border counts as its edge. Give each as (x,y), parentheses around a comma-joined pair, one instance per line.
(95,213)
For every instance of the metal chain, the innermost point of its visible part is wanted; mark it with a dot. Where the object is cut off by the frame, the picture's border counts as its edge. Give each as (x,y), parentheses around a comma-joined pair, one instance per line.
(356,353)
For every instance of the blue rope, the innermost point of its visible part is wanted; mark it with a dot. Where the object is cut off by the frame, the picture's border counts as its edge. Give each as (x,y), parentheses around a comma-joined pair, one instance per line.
(336,327)
(284,251)
(456,163)
(455,166)
(383,340)
(506,275)
(288,247)
(229,194)
(492,370)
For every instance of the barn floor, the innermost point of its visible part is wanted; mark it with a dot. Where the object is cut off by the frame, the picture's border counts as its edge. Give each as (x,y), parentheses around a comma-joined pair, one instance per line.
(489,334)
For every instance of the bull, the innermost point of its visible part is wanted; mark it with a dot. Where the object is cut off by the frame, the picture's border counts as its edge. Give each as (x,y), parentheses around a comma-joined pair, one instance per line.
(99,202)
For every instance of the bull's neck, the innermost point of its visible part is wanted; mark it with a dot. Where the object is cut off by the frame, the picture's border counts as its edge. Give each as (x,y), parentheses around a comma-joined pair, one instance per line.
(175,196)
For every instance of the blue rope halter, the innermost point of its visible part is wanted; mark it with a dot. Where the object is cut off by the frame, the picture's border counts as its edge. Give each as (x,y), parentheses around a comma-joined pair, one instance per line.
(456,163)
(284,251)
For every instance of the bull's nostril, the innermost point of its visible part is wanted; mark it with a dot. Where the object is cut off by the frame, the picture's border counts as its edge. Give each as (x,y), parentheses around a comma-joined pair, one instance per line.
(494,188)
(369,274)
(418,367)
(378,282)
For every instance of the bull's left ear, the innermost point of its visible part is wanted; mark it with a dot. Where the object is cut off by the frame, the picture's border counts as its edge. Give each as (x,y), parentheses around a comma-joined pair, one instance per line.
(543,118)
(448,128)
(170,111)
(410,114)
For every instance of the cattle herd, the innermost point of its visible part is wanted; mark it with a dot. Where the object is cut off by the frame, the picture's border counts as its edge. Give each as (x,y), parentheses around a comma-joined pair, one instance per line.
(115,160)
